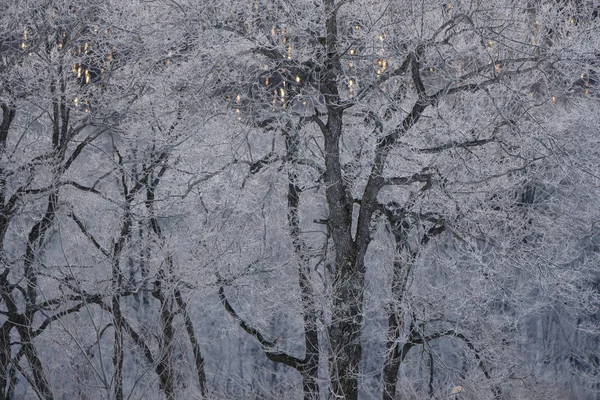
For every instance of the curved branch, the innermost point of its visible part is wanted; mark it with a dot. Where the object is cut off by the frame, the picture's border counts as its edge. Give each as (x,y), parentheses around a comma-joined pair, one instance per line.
(55,317)
(267,345)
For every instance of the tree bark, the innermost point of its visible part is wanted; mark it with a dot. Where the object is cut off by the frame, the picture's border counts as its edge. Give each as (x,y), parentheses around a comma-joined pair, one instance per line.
(348,284)
(165,361)
(189,326)
(165,366)
(4,358)
(394,355)
(117,283)
(118,353)
(39,376)
(35,239)
(400,274)
(8,114)
(310,366)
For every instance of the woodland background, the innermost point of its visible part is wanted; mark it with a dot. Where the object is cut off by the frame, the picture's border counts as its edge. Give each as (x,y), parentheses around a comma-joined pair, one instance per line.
(299,199)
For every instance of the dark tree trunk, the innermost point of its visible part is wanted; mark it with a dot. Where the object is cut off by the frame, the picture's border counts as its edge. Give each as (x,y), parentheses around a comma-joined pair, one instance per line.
(35,240)
(310,367)
(348,284)
(4,358)
(39,376)
(118,352)
(400,274)
(189,326)
(394,353)
(166,294)
(117,284)
(165,361)
(8,114)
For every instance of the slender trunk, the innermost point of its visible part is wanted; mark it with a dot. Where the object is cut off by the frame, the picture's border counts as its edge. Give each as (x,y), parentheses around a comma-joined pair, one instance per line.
(8,114)
(163,291)
(4,359)
(35,240)
(310,367)
(189,326)
(165,362)
(117,283)
(345,330)
(118,353)
(431,376)
(402,265)
(164,368)
(7,375)
(393,353)
(39,376)
(393,358)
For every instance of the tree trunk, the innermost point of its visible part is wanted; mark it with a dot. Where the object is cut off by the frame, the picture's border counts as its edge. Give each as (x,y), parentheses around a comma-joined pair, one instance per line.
(189,326)
(39,376)
(162,292)
(118,354)
(345,331)
(310,367)
(35,240)
(166,359)
(117,283)
(4,358)
(348,284)
(394,351)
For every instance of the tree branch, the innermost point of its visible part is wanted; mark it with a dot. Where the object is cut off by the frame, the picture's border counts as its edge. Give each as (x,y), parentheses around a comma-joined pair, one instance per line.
(407,180)
(256,166)
(55,317)
(87,234)
(452,145)
(267,345)
(417,338)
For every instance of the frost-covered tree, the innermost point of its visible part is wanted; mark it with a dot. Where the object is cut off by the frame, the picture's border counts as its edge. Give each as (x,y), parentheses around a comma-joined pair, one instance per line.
(44,96)
(384,199)
(85,150)
(426,143)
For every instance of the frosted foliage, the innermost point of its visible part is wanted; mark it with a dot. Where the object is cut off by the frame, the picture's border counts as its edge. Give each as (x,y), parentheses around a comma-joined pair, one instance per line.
(311,199)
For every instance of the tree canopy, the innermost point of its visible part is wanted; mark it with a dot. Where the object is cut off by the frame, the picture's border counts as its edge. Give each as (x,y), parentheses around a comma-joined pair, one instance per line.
(308,199)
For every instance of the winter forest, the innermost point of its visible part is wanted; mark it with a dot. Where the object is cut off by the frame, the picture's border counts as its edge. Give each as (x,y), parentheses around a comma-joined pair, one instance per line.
(300,199)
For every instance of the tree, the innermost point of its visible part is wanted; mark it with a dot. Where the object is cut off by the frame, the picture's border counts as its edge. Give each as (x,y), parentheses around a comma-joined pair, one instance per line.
(42,137)
(425,118)
(72,80)
(344,183)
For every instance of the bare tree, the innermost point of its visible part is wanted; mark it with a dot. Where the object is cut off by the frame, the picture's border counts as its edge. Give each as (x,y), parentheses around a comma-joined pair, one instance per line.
(64,152)
(346,182)
(427,116)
